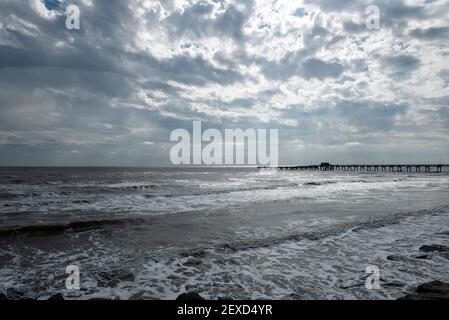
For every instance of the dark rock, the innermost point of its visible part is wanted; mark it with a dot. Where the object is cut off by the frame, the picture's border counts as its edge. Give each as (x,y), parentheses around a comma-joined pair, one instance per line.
(423,257)
(113,278)
(3,297)
(192,262)
(190,296)
(395,258)
(225,299)
(434,287)
(312,184)
(127,277)
(434,248)
(142,295)
(435,290)
(393,284)
(194,253)
(14,294)
(398,295)
(56,297)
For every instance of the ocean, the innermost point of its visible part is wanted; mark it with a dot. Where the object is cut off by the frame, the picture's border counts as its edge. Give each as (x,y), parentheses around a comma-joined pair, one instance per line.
(148,233)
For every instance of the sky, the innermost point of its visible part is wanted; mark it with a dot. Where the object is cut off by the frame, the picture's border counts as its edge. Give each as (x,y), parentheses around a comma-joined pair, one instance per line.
(110,93)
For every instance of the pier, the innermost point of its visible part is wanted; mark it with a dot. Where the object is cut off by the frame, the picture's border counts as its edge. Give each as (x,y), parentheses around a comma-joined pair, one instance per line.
(325,166)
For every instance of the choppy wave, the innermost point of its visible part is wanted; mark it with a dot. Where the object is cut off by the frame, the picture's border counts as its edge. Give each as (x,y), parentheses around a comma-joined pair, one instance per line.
(159,196)
(337,230)
(326,265)
(154,234)
(51,229)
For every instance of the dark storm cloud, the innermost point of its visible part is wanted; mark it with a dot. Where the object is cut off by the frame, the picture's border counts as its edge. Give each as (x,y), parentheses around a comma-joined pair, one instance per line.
(393,10)
(318,69)
(370,115)
(400,66)
(432,33)
(363,115)
(443,116)
(311,68)
(353,27)
(303,62)
(389,10)
(395,15)
(444,75)
(439,114)
(333,5)
(194,70)
(197,21)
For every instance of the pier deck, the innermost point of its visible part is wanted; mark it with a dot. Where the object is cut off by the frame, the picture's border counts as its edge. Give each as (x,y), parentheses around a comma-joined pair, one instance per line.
(427,168)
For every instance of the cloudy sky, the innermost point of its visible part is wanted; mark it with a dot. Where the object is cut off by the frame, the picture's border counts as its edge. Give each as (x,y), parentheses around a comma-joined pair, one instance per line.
(111,92)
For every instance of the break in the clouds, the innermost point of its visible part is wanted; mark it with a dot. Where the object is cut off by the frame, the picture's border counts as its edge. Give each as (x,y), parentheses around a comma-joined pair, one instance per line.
(111,92)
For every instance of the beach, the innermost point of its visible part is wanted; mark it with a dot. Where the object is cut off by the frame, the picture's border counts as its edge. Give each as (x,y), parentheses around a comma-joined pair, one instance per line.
(149,233)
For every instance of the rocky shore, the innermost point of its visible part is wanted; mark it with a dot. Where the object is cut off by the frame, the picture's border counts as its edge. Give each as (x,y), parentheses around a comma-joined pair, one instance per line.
(434,290)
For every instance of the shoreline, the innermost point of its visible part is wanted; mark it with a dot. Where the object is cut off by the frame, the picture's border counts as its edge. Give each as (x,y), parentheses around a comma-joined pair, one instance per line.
(434,250)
